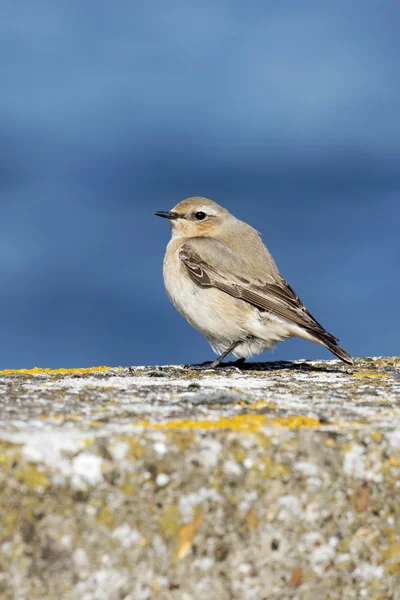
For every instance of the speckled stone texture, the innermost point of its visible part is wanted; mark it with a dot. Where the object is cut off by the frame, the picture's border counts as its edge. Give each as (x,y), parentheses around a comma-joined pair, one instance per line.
(277,481)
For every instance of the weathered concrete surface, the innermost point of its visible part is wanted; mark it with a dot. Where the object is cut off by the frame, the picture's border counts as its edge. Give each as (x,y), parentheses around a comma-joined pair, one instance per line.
(278,481)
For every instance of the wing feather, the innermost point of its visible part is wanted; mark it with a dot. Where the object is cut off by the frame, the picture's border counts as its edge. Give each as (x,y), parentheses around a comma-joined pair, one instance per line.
(277,298)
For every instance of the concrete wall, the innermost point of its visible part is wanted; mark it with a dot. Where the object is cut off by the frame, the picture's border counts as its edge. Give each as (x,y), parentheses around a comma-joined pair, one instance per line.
(274,482)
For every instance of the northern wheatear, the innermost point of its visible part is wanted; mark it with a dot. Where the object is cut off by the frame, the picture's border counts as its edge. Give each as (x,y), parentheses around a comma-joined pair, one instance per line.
(223,280)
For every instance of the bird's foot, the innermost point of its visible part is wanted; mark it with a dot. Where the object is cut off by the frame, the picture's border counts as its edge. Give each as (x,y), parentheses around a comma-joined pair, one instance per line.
(212,366)
(203,367)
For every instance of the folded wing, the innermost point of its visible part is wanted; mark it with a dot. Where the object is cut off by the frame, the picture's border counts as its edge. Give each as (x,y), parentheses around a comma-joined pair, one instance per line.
(212,264)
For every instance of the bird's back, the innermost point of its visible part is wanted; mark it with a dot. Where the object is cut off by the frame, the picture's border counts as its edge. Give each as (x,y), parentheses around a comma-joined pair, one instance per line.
(247,243)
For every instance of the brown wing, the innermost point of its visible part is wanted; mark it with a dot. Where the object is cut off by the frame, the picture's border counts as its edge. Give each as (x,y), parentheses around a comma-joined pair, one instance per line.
(277,298)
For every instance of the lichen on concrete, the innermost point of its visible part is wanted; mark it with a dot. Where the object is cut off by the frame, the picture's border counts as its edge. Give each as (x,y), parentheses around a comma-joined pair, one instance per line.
(279,480)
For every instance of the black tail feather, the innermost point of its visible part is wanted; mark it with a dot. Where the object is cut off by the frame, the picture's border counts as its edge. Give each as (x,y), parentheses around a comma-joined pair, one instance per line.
(331,343)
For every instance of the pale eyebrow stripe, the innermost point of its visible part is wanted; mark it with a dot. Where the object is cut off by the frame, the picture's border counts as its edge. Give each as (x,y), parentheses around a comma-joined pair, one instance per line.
(208,212)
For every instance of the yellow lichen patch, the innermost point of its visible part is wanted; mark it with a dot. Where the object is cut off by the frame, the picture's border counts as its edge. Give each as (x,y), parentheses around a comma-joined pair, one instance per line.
(170,521)
(392,554)
(135,447)
(371,374)
(61,416)
(377,436)
(33,478)
(252,520)
(260,404)
(272,469)
(127,489)
(185,537)
(39,371)
(246,422)
(240,454)
(7,460)
(10,520)
(105,517)
(237,423)
(185,440)
(295,421)
(393,461)
(263,440)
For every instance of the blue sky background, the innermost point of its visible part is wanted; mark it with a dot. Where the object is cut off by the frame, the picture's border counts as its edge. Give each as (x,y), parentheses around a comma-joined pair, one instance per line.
(286,113)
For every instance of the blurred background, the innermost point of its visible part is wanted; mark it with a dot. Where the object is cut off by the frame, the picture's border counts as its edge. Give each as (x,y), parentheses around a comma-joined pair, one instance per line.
(286,113)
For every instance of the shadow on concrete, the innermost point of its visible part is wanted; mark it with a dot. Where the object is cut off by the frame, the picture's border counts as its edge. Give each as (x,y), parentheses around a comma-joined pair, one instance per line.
(280,365)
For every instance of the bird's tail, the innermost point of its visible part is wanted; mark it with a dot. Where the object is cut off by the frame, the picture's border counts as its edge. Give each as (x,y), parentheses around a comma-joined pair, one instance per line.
(330,342)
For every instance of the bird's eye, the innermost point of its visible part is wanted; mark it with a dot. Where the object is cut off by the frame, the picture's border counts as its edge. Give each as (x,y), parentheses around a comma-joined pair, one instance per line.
(200,215)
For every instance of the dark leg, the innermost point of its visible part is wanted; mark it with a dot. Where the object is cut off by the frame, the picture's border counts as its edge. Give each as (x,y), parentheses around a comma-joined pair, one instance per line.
(219,360)
(216,363)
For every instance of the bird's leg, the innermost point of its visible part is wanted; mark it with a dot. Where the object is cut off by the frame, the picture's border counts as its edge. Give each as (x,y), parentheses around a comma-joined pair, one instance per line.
(218,361)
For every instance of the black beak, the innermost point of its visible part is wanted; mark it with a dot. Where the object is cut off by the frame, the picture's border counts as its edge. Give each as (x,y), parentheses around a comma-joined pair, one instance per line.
(166,214)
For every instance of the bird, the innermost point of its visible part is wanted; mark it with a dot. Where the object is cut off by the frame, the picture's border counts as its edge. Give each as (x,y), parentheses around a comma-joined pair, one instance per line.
(222,278)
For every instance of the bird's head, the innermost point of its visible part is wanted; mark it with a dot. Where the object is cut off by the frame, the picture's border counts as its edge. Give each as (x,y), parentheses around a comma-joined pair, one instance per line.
(196,217)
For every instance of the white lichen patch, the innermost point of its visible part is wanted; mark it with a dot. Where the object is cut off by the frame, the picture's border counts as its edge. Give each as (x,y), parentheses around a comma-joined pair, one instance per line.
(161,448)
(362,465)
(307,468)
(48,447)
(354,462)
(119,450)
(86,470)
(394,438)
(290,508)
(247,501)
(209,454)
(321,557)
(368,572)
(232,468)
(100,584)
(126,535)
(188,502)
(162,479)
